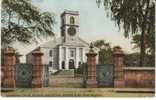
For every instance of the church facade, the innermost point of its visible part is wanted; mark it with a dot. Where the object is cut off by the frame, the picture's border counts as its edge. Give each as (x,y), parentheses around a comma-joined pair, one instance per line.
(69,50)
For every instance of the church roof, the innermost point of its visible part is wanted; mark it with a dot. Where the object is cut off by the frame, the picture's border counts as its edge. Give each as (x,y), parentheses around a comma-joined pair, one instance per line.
(59,41)
(52,43)
(76,43)
(70,12)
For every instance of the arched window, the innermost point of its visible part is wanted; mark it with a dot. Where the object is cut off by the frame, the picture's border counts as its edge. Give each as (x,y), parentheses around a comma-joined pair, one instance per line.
(79,63)
(63,64)
(71,64)
(50,63)
(50,53)
(63,21)
(72,20)
(72,53)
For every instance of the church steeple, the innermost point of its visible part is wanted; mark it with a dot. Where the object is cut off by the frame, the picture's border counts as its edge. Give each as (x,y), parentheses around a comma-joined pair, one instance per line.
(69,25)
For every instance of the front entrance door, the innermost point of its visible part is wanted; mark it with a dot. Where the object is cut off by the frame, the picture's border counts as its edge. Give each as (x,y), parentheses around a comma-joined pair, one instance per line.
(71,64)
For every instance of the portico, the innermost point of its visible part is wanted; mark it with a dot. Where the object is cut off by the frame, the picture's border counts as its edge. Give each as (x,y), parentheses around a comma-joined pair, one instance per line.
(70,57)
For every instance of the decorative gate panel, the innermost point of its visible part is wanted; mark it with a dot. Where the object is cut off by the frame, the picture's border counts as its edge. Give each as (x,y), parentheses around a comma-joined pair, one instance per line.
(23,75)
(84,74)
(105,73)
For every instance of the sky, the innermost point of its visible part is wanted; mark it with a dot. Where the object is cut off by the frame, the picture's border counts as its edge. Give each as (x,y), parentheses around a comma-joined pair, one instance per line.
(94,24)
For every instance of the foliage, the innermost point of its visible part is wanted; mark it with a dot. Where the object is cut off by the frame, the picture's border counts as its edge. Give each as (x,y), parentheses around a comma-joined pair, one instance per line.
(150,43)
(105,53)
(134,16)
(23,22)
(130,14)
(133,61)
(136,41)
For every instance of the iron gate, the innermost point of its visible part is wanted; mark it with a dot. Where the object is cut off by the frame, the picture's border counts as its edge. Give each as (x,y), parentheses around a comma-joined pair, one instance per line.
(104,75)
(23,75)
(45,75)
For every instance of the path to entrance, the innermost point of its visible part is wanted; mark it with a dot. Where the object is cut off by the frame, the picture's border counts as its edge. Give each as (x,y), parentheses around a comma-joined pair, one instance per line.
(64,79)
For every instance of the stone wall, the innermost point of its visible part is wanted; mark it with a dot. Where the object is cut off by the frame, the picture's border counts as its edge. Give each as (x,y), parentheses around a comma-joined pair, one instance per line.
(139,77)
(131,77)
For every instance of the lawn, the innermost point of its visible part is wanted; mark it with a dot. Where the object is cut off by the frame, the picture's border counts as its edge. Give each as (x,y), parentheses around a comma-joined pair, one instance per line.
(72,92)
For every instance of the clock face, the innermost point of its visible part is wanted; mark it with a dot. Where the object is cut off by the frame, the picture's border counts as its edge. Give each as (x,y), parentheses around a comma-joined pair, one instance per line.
(71,31)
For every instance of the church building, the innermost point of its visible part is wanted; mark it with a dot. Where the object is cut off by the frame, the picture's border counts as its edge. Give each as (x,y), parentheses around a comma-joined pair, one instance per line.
(67,51)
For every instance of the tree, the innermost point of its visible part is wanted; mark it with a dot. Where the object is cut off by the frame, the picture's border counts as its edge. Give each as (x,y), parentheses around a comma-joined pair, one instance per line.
(23,22)
(134,16)
(150,43)
(105,52)
(150,48)
(133,61)
(136,40)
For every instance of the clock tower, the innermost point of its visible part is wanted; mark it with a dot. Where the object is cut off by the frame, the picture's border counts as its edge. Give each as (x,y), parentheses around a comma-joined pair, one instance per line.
(69,25)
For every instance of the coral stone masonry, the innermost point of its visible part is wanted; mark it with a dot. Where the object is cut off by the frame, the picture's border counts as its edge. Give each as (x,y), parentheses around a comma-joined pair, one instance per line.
(118,63)
(91,65)
(37,69)
(9,68)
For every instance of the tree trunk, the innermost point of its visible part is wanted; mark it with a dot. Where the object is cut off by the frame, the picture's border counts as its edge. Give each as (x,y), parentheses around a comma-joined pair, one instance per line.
(142,50)
(144,34)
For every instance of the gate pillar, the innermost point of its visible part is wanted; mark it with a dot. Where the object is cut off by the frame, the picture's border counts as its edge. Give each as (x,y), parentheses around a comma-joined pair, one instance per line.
(37,69)
(8,80)
(118,63)
(91,68)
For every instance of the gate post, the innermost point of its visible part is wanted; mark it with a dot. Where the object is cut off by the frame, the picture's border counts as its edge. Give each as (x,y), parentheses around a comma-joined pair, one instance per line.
(91,68)
(37,69)
(8,80)
(118,63)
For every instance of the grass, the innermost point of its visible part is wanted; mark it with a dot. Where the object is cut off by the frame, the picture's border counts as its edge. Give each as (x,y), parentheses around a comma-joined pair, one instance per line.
(71,92)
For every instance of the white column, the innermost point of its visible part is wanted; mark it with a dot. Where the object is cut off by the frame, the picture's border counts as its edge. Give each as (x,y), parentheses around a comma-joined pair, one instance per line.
(84,55)
(77,57)
(67,59)
(60,57)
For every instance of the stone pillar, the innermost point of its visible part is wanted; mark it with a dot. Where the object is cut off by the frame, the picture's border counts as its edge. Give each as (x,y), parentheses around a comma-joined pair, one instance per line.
(67,59)
(37,69)
(91,68)
(60,58)
(83,53)
(9,68)
(77,58)
(118,63)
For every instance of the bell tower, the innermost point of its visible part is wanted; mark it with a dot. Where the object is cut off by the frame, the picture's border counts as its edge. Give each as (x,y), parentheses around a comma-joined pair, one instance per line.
(69,25)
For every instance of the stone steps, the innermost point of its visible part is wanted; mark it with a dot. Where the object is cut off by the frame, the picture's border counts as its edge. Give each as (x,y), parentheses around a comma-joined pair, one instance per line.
(65,72)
